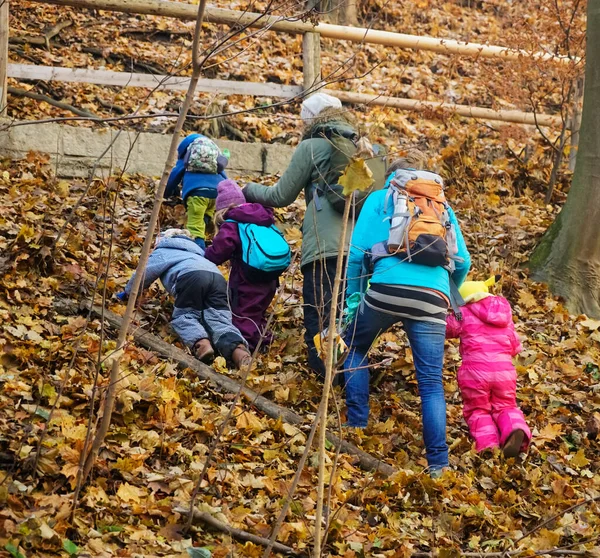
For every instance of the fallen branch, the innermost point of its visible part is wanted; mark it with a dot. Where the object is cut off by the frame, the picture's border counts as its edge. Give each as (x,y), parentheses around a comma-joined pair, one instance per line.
(556,516)
(236,533)
(185,360)
(560,551)
(551,552)
(43,40)
(129,62)
(39,97)
(110,106)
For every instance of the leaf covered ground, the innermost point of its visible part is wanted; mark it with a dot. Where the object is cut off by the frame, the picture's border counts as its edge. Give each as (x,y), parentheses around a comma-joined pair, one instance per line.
(166,418)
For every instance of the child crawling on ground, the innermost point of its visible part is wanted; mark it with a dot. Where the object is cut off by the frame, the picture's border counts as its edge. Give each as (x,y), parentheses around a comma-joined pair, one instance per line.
(487,378)
(201,317)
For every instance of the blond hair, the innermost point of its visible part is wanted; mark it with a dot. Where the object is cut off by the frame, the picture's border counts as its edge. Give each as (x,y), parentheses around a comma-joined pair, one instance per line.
(412,159)
(219,217)
(170,233)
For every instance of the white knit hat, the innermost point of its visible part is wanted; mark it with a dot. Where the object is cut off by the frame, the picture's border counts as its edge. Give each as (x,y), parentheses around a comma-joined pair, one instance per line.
(312,107)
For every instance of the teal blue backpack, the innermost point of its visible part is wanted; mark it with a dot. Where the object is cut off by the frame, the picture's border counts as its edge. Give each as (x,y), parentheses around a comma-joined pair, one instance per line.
(265,252)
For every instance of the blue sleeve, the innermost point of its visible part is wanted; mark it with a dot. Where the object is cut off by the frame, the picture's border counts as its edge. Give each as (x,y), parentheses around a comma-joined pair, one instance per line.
(175,179)
(360,244)
(155,267)
(464,264)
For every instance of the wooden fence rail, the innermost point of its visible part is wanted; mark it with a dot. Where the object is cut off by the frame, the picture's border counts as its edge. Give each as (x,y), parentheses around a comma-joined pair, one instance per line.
(311,60)
(226,87)
(281,24)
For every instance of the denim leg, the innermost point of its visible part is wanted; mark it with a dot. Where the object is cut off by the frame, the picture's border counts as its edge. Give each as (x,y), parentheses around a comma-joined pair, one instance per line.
(427,344)
(367,325)
(357,388)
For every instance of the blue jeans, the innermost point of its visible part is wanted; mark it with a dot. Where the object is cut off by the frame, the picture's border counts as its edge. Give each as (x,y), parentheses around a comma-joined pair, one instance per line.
(427,344)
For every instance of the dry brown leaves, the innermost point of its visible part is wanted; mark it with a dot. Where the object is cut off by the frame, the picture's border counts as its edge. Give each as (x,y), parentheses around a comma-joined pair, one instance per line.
(166,419)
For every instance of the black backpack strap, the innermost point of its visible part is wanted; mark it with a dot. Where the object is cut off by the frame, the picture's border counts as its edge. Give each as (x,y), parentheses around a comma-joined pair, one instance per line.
(456,300)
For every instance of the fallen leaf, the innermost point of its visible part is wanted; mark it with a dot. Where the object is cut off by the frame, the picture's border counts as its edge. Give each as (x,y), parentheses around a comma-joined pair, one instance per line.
(128,493)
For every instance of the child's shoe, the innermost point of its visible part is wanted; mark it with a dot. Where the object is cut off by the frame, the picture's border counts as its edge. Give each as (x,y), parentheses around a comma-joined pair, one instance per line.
(487,453)
(512,446)
(240,357)
(203,351)
(437,472)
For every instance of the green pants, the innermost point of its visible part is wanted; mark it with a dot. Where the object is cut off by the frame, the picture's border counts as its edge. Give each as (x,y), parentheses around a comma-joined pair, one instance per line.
(197,210)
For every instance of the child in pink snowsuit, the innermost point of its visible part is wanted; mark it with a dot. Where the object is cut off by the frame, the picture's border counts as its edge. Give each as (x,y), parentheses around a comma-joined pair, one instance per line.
(487,378)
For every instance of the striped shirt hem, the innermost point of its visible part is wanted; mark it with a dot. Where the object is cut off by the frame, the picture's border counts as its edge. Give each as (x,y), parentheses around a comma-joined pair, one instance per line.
(415,303)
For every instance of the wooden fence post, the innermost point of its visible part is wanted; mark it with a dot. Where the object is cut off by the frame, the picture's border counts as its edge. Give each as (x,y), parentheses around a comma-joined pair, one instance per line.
(311,59)
(575,122)
(3,54)
(311,54)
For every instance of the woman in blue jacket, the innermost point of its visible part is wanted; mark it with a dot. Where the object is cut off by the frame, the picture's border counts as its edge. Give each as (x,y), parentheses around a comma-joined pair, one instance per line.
(400,291)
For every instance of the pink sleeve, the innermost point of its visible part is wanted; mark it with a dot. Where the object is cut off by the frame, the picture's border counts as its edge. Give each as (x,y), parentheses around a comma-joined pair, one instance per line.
(453,326)
(515,342)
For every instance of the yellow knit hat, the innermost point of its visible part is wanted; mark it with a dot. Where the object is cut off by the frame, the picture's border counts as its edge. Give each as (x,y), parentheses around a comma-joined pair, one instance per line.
(472,291)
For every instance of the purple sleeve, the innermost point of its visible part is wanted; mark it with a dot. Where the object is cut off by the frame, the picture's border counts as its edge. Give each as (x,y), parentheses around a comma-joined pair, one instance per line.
(224,244)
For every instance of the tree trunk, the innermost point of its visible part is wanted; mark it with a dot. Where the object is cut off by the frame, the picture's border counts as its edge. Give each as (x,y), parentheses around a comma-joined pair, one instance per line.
(348,12)
(339,12)
(568,255)
(3,55)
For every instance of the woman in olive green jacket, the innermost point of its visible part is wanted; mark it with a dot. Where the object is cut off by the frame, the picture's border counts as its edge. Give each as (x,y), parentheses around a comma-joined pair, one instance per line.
(327,144)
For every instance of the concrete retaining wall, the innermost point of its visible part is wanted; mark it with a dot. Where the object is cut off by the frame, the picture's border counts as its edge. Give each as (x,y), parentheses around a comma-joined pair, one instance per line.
(74,151)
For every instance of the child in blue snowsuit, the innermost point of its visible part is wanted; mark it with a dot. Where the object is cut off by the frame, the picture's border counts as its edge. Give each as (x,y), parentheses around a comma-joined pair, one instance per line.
(201,318)
(199,190)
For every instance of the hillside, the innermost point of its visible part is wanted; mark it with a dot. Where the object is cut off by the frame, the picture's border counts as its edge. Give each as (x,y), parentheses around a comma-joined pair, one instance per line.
(150,44)
(167,418)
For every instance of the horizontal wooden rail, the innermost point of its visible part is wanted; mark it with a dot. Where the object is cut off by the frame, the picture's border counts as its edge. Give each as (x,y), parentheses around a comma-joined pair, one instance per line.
(225,87)
(513,116)
(182,10)
(151,81)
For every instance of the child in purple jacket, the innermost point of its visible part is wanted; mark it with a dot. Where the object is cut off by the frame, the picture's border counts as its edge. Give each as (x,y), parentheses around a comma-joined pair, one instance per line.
(249,300)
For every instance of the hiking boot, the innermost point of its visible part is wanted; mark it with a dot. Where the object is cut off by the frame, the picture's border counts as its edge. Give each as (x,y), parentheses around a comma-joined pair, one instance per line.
(203,351)
(240,357)
(512,446)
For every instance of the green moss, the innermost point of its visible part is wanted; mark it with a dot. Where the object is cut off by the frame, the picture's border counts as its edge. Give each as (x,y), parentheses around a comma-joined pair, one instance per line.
(542,251)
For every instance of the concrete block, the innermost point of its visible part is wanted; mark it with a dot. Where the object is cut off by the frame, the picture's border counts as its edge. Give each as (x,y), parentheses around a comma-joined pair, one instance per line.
(78,167)
(83,142)
(152,154)
(75,150)
(246,157)
(278,158)
(44,138)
